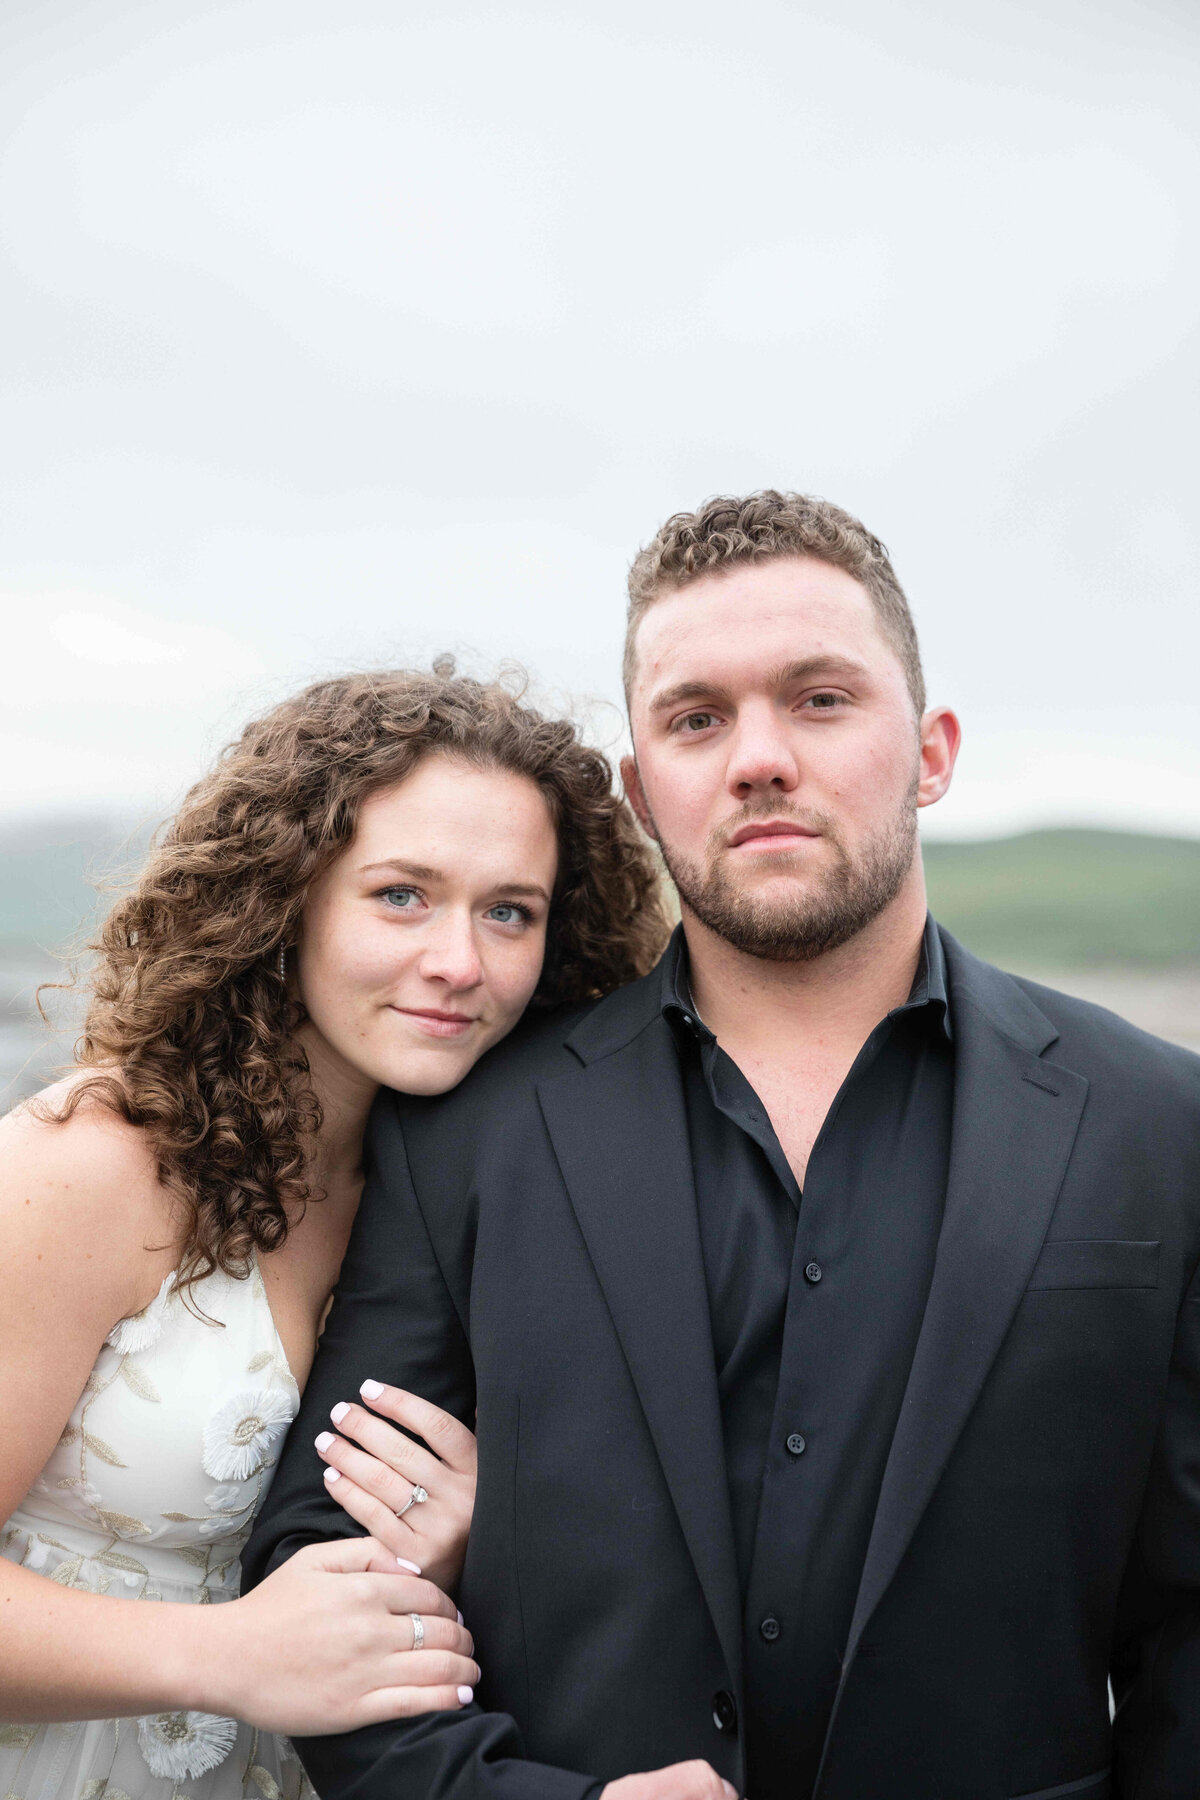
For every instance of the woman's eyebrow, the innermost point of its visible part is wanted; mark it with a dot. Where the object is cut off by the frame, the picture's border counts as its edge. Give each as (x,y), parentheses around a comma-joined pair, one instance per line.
(528,889)
(396,866)
(419,872)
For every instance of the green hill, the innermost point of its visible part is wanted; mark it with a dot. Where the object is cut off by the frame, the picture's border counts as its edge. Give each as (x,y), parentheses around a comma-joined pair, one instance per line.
(1071,898)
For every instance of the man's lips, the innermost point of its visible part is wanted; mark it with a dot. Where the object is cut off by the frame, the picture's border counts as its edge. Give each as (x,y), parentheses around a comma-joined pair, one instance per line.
(760,830)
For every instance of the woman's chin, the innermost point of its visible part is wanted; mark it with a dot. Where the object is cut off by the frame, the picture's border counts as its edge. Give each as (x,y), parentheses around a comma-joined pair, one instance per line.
(433,1071)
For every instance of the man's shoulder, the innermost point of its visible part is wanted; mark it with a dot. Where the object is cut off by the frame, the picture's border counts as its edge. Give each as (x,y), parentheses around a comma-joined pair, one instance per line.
(1088,1037)
(1090,1030)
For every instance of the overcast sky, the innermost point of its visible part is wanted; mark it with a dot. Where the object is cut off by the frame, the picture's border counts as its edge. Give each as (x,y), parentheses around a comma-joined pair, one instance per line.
(339,335)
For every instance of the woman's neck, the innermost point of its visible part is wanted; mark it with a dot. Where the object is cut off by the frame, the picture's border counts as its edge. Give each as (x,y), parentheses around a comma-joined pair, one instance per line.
(344,1095)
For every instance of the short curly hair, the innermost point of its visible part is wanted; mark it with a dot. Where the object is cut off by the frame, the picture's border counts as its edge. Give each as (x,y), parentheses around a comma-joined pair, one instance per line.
(762,528)
(189,1032)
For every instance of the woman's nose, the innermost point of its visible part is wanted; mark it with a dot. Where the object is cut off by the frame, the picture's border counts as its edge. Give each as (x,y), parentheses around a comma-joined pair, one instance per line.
(450,954)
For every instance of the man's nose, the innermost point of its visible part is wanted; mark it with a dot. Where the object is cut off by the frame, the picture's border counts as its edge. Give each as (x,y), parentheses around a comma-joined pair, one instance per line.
(450,952)
(761,754)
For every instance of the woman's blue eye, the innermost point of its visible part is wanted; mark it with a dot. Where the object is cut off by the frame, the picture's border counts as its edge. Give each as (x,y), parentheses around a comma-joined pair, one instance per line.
(399,897)
(515,915)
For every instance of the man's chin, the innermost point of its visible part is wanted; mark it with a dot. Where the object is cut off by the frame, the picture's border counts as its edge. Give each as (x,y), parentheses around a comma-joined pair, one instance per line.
(772,891)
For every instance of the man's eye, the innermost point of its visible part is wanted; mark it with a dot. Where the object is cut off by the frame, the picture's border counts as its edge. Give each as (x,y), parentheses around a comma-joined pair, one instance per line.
(824,702)
(404,899)
(697,721)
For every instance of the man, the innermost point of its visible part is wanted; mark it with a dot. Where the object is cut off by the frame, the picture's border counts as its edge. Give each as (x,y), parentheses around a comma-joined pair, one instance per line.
(828,1297)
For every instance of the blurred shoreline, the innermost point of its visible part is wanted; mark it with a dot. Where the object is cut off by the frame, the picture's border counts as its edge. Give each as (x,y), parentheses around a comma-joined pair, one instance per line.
(1112,917)
(1165,1002)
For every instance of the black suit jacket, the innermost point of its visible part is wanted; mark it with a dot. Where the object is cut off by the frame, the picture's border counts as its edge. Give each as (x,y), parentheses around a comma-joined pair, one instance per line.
(528,1245)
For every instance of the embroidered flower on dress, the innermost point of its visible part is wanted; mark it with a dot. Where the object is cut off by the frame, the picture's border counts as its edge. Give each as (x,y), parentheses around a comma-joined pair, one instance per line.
(129,1336)
(230,1497)
(239,1434)
(222,1526)
(178,1745)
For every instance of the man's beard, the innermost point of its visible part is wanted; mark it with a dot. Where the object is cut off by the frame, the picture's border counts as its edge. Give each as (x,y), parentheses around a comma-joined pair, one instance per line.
(838,903)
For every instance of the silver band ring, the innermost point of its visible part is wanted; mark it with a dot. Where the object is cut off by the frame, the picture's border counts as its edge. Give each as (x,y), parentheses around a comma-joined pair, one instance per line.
(418,1631)
(418,1497)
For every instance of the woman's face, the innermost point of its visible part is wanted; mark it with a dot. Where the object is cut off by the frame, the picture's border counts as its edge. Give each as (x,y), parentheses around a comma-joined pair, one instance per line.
(422,944)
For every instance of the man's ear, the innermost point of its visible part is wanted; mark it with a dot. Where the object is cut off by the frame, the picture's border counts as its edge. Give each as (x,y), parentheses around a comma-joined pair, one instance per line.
(637,799)
(941,735)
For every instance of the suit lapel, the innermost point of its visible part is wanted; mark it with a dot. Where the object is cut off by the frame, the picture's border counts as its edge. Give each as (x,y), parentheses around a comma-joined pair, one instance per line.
(619,1130)
(1015,1121)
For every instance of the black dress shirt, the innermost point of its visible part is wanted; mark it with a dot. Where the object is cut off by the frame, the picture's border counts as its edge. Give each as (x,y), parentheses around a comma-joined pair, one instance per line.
(816,1299)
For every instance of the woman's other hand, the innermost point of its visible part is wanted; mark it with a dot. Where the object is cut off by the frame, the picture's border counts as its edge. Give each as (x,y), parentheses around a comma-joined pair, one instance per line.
(374,1471)
(325,1644)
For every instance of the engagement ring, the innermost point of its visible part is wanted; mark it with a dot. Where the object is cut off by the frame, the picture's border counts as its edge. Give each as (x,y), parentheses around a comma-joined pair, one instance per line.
(418,1497)
(418,1630)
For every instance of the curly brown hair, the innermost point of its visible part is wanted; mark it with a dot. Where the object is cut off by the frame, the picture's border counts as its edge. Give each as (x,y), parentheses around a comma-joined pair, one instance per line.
(732,529)
(189,1032)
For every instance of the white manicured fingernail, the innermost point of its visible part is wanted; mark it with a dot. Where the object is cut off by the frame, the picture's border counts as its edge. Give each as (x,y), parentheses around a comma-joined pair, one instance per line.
(405,1564)
(371,1390)
(460,1617)
(332,1475)
(323,1442)
(337,1413)
(466,1695)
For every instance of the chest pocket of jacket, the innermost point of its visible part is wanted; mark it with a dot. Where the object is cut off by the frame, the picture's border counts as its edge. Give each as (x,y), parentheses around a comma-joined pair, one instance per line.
(1096,1263)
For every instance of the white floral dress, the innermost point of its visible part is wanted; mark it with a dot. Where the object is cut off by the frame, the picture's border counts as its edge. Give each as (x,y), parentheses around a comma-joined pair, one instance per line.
(149,1495)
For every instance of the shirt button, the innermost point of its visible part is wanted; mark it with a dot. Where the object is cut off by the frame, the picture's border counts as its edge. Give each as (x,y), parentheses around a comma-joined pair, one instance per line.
(813,1272)
(689,1021)
(796,1444)
(770,1629)
(724,1711)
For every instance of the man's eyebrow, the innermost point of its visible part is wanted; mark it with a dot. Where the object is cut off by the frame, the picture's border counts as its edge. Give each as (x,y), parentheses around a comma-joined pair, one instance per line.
(809,667)
(805,669)
(684,691)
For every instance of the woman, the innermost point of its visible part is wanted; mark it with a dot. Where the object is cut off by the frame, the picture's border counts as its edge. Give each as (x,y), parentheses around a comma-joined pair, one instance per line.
(369,888)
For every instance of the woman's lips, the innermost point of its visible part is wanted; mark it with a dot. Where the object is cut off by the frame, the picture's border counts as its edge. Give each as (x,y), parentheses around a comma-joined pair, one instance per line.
(437,1024)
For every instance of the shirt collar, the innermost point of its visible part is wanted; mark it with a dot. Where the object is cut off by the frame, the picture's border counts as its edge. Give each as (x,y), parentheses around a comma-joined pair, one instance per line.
(929,989)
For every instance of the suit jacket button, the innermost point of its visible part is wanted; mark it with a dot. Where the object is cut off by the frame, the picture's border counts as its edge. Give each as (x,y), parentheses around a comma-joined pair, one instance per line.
(813,1272)
(724,1711)
(796,1444)
(770,1629)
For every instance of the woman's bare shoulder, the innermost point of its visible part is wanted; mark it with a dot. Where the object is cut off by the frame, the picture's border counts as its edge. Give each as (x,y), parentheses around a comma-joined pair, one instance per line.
(86,1183)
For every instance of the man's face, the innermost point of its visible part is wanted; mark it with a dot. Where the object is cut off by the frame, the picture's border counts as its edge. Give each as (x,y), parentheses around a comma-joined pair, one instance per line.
(778,759)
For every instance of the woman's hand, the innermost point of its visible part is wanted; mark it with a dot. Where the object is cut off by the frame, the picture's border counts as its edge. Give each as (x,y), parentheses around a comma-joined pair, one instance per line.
(374,1470)
(325,1644)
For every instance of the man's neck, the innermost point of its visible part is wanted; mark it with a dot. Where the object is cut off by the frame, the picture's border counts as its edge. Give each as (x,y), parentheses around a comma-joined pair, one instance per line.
(773,1011)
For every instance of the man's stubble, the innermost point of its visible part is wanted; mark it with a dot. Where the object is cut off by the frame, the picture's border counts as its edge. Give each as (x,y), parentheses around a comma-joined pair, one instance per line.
(826,912)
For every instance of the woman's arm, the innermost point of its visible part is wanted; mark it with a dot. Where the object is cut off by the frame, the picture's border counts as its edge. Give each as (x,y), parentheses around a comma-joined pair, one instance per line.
(86,1238)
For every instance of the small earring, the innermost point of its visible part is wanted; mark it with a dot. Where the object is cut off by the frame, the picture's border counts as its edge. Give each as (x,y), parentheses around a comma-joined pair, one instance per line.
(283,962)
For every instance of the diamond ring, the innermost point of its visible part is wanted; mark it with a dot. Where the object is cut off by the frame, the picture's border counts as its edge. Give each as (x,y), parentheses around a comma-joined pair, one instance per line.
(418,1630)
(418,1497)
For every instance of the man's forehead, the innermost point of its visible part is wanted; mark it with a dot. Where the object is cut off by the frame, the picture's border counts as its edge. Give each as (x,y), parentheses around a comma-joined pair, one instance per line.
(750,622)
